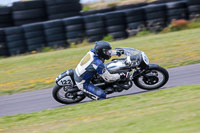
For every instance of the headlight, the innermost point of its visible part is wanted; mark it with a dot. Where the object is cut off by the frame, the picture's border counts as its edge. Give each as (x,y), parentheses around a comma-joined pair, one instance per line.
(145,58)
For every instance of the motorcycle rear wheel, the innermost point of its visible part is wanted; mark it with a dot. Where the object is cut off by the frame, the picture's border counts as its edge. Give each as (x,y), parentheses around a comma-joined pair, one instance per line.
(66,98)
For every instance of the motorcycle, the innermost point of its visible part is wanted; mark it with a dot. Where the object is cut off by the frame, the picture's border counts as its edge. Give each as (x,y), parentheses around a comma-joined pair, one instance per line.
(133,63)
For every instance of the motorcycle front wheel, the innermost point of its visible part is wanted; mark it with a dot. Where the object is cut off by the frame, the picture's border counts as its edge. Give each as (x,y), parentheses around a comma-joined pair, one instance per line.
(153,78)
(62,95)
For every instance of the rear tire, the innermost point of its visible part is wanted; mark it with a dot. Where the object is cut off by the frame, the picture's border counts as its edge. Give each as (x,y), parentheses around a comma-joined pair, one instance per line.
(55,92)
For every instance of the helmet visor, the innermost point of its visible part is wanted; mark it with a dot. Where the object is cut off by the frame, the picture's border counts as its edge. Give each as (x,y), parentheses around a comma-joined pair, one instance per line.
(107,52)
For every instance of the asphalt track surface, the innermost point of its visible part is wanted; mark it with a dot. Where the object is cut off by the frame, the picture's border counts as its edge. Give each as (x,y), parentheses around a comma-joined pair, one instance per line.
(42,99)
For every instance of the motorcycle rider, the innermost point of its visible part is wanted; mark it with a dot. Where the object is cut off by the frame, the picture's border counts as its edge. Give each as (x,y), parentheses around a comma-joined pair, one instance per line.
(92,63)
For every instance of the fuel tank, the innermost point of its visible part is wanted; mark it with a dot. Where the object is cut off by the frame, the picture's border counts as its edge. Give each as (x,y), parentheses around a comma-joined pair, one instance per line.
(117,66)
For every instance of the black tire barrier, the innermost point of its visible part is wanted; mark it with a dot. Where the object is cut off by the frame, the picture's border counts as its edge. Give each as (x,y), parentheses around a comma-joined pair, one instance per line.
(28,12)
(15,40)
(176,10)
(94,27)
(194,9)
(156,17)
(63,8)
(5,17)
(116,19)
(135,21)
(3,48)
(74,28)
(34,35)
(55,33)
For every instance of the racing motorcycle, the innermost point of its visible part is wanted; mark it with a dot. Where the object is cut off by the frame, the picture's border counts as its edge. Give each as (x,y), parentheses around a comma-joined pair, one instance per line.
(133,63)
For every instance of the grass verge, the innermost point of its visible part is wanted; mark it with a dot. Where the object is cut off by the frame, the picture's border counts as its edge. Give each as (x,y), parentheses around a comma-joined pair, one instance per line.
(37,71)
(175,110)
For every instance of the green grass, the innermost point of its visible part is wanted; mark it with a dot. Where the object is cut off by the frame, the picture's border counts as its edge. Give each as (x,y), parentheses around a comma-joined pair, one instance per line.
(175,110)
(38,71)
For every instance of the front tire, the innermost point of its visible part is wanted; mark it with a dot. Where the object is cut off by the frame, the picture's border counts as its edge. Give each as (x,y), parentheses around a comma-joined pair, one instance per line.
(156,73)
(65,99)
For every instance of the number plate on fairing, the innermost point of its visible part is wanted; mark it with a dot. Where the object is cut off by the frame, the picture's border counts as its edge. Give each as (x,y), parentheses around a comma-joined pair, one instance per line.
(65,81)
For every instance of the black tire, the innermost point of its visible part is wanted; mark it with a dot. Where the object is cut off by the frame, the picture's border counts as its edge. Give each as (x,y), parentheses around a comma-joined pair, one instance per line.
(56,37)
(29,14)
(16,51)
(177,12)
(115,28)
(116,21)
(75,34)
(194,8)
(22,22)
(15,37)
(154,8)
(56,9)
(33,34)
(53,24)
(33,27)
(14,30)
(73,20)
(159,69)
(135,25)
(15,44)
(5,19)
(57,2)
(3,52)
(135,18)
(55,91)
(118,35)
(5,10)
(155,15)
(93,32)
(27,5)
(35,41)
(135,12)
(94,25)
(64,15)
(176,5)
(54,31)
(76,27)
(193,2)
(114,15)
(93,18)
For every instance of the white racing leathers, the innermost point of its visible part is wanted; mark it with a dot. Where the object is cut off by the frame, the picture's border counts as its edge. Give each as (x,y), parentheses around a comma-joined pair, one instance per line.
(90,65)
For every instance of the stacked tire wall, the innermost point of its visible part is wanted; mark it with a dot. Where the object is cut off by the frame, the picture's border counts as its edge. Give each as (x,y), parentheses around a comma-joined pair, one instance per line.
(55,33)
(135,20)
(74,29)
(15,40)
(5,17)
(155,17)
(28,12)
(94,27)
(176,10)
(34,36)
(3,48)
(116,25)
(194,9)
(61,32)
(63,8)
